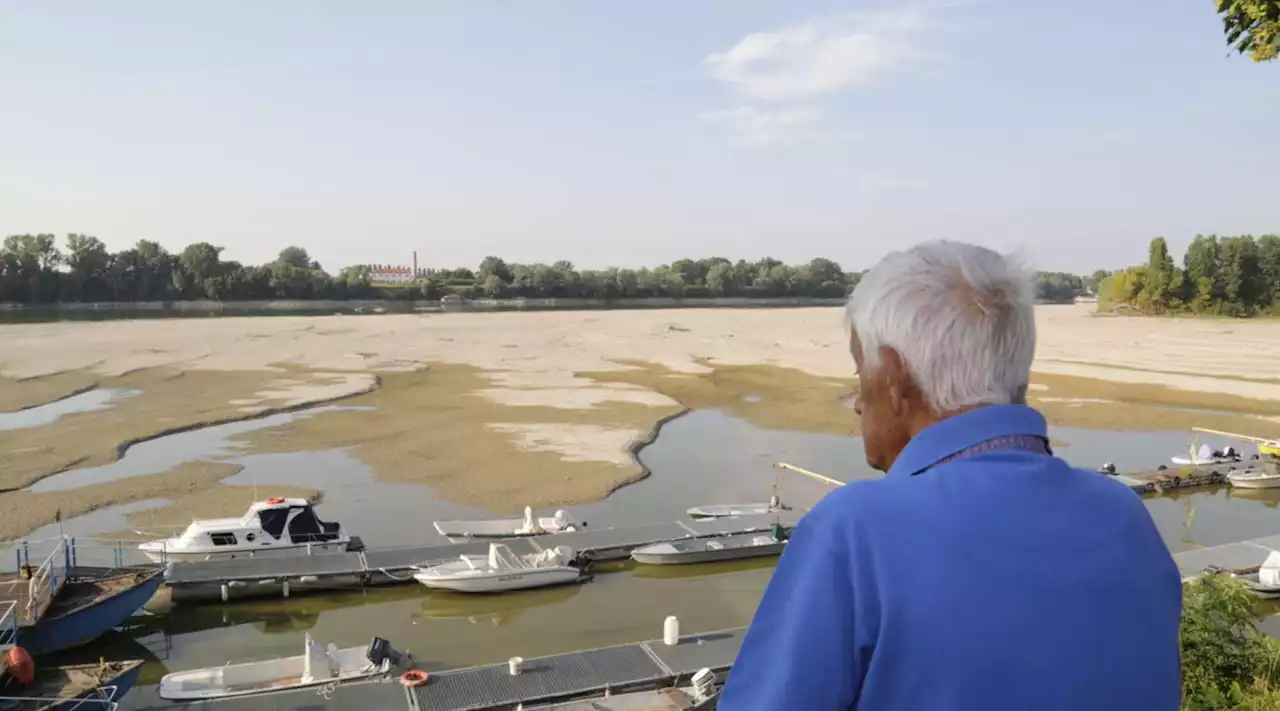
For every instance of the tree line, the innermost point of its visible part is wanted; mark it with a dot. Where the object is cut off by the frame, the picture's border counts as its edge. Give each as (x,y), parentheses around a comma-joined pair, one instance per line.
(34,270)
(1223,276)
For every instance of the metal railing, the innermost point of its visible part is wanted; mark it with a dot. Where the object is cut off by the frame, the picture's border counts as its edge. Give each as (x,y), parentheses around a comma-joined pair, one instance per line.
(99,700)
(44,579)
(110,553)
(8,622)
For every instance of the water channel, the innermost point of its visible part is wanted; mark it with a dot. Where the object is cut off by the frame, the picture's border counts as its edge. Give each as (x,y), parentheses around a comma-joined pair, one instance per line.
(703,457)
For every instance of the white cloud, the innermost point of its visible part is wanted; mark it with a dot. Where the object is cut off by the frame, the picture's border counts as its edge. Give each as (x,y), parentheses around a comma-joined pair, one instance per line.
(764,127)
(821,57)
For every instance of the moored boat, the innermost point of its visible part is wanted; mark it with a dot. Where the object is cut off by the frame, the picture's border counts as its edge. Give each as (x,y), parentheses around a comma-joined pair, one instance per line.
(530,525)
(727,510)
(317,665)
(1205,456)
(83,687)
(502,570)
(701,694)
(274,526)
(708,550)
(1254,479)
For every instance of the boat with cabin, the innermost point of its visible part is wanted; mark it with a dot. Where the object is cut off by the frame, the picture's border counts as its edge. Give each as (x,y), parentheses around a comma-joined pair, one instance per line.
(503,570)
(709,550)
(701,694)
(82,687)
(530,525)
(317,665)
(271,527)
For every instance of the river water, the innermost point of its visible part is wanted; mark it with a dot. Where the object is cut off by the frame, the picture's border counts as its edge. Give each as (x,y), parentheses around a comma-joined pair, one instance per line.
(703,457)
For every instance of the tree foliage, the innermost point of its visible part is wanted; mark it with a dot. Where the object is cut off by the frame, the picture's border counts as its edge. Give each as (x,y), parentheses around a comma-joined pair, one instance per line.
(1252,27)
(1227,664)
(1226,276)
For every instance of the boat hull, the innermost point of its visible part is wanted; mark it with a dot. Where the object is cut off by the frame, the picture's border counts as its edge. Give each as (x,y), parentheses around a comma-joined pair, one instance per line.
(113,690)
(278,675)
(158,555)
(503,582)
(727,510)
(707,556)
(1264,482)
(87,623)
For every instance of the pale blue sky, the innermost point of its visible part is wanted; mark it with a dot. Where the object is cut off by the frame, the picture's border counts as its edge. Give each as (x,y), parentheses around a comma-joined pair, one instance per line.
(630,133)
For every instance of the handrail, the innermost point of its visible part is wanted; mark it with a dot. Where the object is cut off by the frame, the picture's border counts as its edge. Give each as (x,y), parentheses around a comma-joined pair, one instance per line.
(8,622)
(95,704)
(806,472)
(44,579)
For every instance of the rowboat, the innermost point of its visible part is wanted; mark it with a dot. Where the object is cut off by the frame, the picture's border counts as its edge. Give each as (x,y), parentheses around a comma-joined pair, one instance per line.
(701,694)
(1254,479)
(509,527)
(707,550)
(317,665)
(726,510)
(85,687)
(276,525)
(502,570)
(1208,457)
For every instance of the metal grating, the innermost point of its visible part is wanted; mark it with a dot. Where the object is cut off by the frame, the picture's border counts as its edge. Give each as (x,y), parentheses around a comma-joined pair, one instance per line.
(541,679)
(265,567)
(400,558)
(1231,556)
(713,650)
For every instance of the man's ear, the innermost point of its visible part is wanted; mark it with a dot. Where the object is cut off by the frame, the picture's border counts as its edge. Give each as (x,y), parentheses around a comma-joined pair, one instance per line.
(897,379)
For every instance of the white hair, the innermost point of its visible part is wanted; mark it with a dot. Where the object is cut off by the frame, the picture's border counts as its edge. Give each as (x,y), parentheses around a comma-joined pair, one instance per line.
(961,316)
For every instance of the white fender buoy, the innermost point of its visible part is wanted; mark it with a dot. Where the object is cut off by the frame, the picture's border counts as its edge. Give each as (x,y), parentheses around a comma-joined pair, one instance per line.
(226,592)
(513,665)
(671,631)
(284,587)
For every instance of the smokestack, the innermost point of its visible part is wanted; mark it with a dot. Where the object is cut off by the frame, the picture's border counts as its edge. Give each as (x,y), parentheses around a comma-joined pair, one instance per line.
(415,264)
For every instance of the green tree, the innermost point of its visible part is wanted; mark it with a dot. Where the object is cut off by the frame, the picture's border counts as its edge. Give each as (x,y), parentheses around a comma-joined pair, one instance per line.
(1201,264)
(87,259)
(297,257)
(493,286)
(1269,265)
(720,279)
(493,266)
(1252,26)
(1158,284)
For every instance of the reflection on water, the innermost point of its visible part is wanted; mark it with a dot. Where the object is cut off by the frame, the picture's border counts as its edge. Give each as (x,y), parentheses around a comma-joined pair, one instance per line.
(164,453)
(89,401)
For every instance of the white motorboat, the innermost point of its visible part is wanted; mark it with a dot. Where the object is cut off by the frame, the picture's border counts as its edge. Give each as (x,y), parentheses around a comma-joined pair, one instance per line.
(700,695)
(1205,456)
(727,510)
(530,525)
(274,526)
(502,570)
(708,550)
(318,665)
(1254,479)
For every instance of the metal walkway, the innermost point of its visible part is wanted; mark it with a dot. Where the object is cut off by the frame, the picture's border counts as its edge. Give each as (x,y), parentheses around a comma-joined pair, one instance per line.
(1241,555)
(383,566)
(635,666)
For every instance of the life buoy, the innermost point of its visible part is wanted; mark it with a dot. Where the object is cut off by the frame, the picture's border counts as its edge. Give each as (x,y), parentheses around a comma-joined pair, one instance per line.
(276,500)
(413,677)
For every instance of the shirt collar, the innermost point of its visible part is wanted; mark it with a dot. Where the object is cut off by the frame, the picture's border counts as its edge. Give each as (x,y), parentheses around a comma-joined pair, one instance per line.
(954,434)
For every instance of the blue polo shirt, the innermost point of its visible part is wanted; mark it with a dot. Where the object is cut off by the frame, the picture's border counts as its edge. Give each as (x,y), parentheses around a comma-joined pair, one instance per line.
(1006,580)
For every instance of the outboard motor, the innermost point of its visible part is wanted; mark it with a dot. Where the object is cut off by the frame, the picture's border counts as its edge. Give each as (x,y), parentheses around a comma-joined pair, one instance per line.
(704,685)
(380,649)
(1107,468)
(1230,453)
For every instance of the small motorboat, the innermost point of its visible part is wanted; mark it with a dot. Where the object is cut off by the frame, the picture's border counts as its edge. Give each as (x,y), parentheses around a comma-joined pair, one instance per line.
(317,665)
(727,510)
(1254,479)
(276,525)
(1205,457)
(503,570)
(701,694)
(84,687)
(530,525)
(708,550)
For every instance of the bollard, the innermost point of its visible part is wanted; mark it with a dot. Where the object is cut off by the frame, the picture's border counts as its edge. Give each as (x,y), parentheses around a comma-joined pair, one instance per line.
(671,631)
(513,665)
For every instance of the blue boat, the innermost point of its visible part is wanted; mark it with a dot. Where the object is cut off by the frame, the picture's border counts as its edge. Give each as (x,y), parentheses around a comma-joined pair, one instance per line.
(58,606)
(82,687)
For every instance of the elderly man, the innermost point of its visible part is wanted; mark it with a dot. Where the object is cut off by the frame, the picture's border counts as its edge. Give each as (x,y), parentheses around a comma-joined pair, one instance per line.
(981,572)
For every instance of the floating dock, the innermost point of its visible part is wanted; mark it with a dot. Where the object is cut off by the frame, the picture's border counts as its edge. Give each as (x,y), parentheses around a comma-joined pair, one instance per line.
(1241,556)
(560,677)
(285,576)
(1185,477)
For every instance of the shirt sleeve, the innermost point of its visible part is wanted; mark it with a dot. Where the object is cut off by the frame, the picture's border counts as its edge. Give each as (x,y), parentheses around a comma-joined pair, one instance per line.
(802,649)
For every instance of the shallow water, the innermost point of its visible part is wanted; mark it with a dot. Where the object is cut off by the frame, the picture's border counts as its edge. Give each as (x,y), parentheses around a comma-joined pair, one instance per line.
(701,458)
(164,453)
(48,413)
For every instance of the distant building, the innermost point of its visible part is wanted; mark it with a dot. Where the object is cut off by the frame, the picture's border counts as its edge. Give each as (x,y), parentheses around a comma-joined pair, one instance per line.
(389,274)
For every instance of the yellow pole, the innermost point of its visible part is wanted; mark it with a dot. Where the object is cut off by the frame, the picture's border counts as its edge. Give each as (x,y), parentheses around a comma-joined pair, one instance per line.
(806,472)
(1230,434)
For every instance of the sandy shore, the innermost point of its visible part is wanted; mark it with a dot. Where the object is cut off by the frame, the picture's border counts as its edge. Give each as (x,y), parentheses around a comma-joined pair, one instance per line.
(497,410)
